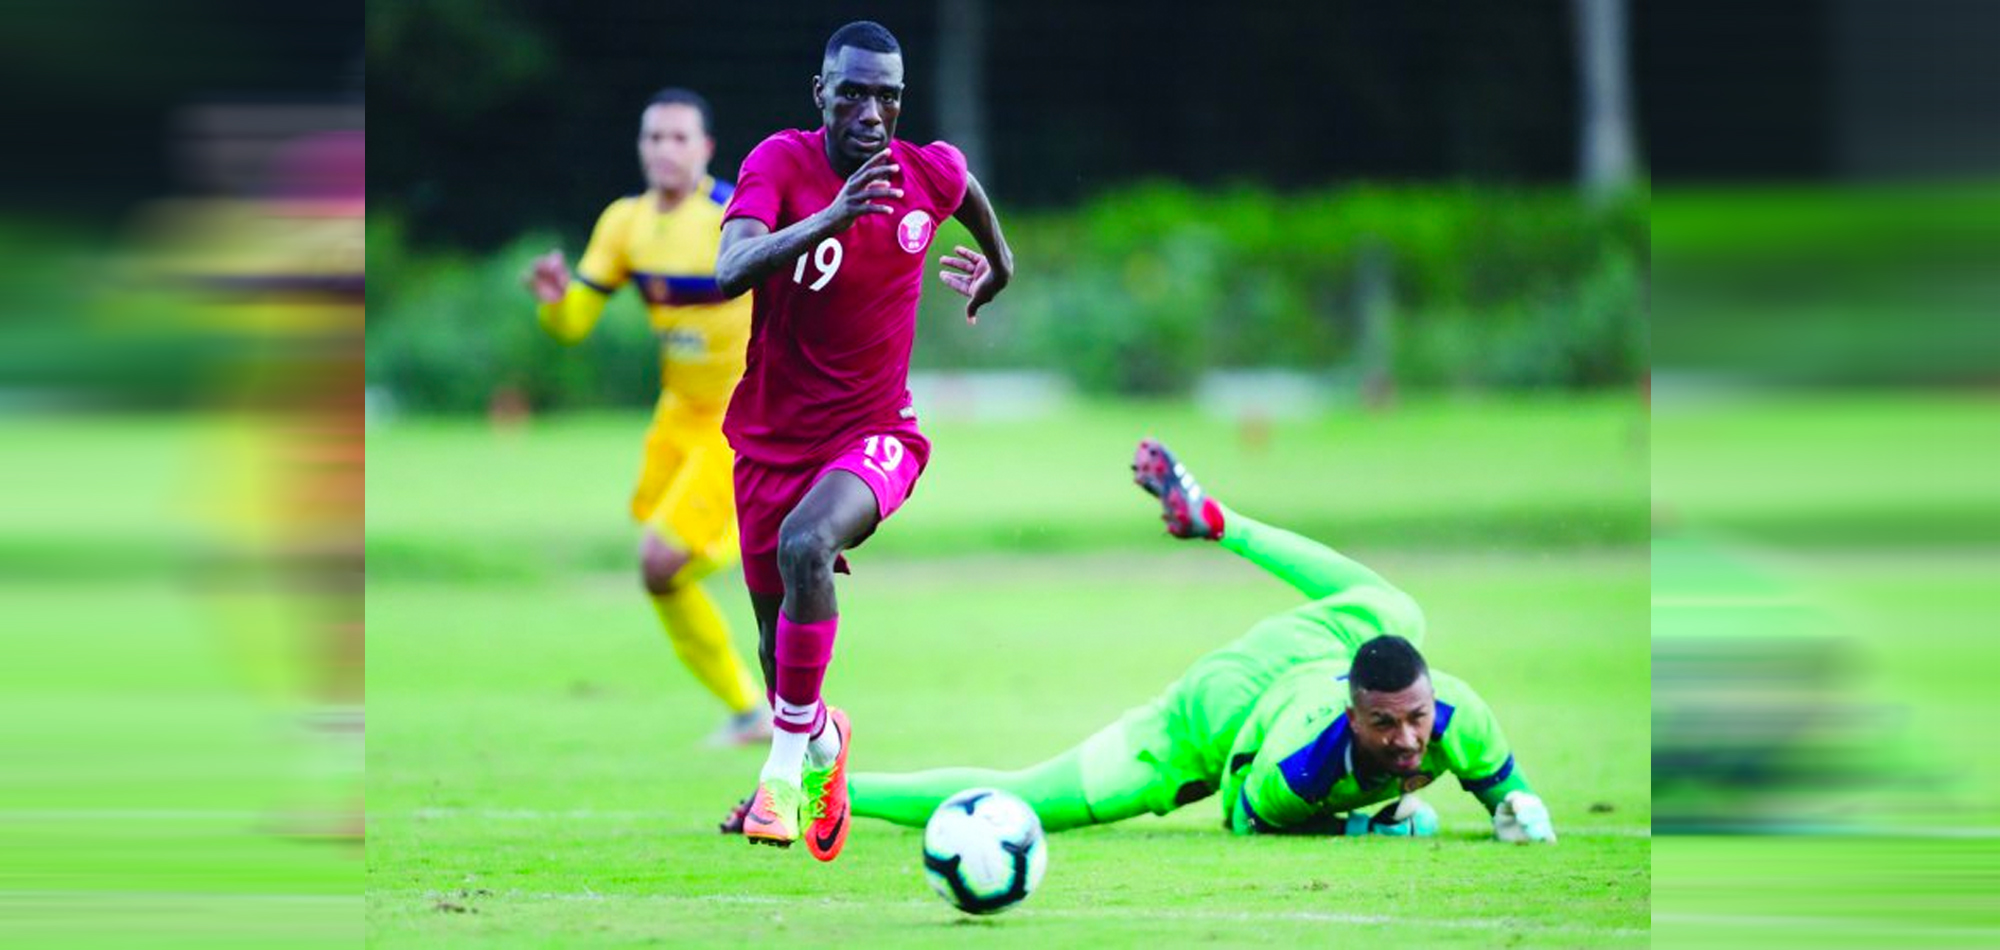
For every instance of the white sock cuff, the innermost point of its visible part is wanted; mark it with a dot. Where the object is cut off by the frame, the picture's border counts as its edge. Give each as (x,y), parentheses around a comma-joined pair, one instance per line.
(799,715)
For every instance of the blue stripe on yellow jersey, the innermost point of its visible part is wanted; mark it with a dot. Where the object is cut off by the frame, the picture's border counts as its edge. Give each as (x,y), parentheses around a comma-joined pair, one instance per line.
(668,254)
(678,290)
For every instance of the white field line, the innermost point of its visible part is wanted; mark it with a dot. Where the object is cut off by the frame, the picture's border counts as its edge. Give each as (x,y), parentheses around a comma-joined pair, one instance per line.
(1096,913)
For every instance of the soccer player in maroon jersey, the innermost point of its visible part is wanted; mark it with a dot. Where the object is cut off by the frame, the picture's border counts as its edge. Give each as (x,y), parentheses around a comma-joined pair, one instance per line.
(829,229)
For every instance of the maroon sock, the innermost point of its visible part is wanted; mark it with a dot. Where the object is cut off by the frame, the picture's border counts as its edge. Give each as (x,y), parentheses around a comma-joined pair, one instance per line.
(803,651)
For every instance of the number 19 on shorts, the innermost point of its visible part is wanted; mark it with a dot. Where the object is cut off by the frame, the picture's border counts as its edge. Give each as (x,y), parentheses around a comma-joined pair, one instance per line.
(882,453)
(825,261)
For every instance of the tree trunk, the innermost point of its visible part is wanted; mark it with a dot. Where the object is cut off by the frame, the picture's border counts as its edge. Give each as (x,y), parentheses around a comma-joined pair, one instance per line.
(961,81)
(1606,158)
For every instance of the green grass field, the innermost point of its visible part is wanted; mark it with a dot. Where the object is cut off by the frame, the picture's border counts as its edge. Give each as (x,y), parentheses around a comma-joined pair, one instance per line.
(534,768)
(535,771)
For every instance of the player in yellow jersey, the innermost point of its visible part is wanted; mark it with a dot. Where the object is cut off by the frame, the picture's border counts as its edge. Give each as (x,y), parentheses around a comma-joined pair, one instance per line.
(663,242)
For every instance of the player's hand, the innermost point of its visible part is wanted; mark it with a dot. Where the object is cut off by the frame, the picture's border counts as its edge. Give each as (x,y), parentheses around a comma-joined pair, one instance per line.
(865,191)
(548,277)
(1523,817)
(970,273)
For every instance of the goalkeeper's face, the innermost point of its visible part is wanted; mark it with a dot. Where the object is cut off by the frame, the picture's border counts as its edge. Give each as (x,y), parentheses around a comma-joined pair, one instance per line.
(1392,730)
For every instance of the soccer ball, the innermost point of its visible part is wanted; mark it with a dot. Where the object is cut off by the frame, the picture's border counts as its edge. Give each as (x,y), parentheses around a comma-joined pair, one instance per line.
(984,850)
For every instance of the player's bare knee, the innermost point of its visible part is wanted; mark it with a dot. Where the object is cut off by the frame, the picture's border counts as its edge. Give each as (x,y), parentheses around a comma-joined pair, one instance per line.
(660,568)
(804,552)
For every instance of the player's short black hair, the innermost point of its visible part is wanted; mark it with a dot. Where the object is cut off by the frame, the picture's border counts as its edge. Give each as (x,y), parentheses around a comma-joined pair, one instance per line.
(1386,664)
(677,96)
(862,34)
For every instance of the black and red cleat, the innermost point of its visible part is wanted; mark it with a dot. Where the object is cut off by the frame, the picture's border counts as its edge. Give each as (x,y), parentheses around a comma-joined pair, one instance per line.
(1188,512)
(732,824)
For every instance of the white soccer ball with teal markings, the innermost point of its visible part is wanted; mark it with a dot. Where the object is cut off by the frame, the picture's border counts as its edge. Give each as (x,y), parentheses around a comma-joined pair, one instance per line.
(984,850)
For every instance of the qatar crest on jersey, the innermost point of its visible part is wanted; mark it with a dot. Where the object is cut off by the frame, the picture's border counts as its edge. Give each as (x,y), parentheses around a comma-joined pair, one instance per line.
(914,232)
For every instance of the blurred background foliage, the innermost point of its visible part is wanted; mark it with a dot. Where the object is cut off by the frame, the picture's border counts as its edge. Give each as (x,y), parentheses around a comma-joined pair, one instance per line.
(1137,291)
(1365,196)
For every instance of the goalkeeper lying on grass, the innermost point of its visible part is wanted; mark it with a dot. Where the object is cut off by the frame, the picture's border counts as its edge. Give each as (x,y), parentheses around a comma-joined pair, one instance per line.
(1309,718)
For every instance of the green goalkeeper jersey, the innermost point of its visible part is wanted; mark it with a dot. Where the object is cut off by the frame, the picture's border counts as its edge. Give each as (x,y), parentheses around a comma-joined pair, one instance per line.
(1292,766)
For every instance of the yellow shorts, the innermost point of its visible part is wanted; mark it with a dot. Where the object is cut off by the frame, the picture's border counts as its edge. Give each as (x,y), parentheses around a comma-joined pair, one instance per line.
(686,491)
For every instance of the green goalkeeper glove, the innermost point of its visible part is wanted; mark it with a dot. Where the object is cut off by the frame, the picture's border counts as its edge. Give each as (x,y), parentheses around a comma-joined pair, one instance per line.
(1409,817)
(1523,817)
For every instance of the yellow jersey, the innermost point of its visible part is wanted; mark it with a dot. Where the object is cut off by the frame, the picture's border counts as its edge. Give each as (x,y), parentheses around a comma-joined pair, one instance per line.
(669,256)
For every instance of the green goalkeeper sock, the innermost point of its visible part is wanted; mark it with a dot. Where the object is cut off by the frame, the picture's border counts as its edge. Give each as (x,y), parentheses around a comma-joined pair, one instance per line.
(1054,788)
(1312,568)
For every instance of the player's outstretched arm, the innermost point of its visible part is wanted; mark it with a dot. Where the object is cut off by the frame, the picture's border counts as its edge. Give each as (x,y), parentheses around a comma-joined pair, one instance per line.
(979,276)
(567,309)
(751,251)
(571,302)
(1484,763)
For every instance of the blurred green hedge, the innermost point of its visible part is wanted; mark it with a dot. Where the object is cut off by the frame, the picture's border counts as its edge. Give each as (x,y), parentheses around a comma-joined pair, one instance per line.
(447,331)
(1136,292)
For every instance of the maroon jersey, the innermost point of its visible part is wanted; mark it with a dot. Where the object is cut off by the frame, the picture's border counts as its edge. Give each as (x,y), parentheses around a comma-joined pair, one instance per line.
(830,336)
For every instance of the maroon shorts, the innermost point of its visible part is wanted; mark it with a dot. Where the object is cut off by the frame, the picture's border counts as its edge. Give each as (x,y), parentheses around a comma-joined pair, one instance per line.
(889,461)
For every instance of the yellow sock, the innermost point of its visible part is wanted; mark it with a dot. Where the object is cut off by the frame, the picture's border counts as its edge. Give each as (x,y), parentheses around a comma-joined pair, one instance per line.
(699,634)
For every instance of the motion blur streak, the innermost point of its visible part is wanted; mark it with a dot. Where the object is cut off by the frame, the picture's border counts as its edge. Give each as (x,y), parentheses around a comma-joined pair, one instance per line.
(180,397)
(1826,517)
